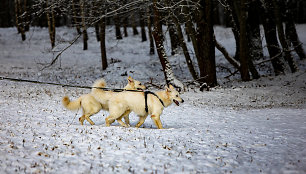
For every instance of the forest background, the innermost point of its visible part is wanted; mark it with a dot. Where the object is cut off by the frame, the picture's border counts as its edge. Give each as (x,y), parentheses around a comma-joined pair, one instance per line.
(191,18)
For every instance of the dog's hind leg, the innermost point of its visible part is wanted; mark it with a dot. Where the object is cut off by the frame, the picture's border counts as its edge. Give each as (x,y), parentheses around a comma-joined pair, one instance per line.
(109,120)
(88,119)
(121,122)
(81,119)
(126,117)
(141,121)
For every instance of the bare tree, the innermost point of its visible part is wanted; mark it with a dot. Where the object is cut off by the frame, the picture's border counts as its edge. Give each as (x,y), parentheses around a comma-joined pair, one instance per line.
(51,21)
(157,34)
(142,25)
(19,19)
(206,44)
(84,27)
(102,43)
(271,38)
(290,31)
(282,38)
(150,32)
(244,49)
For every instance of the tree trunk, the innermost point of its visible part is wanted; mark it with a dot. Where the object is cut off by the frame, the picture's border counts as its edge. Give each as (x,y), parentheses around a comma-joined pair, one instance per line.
(282,39)
(19,21)
(173,38)
(233,12)
(244,50)
(75,14)
(97,30)
(26,16)
(125,24)
(117,26)
(142,26)
(191,33)
(102,44)
(256,50)
(184,47)
(157,34)
(51,23)
(84,28)
(271,39)
(206,44)
(150,33)
(291,33)
(134,26)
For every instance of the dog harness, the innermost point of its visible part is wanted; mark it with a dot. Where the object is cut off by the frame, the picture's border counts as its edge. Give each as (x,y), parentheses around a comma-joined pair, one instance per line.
(146,99)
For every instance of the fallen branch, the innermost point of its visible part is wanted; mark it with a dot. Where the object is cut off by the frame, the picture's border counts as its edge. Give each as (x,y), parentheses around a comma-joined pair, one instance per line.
(276,56)
(61,52)
(231,60)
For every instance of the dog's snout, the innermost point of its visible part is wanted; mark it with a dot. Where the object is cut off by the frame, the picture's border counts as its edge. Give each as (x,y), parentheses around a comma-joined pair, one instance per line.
(182,100)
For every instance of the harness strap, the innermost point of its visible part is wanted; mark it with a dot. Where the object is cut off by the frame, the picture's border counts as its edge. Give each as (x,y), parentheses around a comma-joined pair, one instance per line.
(146,99)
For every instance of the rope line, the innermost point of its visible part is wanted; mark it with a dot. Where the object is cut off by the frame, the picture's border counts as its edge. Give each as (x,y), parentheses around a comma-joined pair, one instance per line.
(67,85)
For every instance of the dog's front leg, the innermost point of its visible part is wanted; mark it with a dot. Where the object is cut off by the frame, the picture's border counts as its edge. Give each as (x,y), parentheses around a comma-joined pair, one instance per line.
(156,120)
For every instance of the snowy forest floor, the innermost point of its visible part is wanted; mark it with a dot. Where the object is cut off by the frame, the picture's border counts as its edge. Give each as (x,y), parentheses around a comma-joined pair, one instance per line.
(237,127)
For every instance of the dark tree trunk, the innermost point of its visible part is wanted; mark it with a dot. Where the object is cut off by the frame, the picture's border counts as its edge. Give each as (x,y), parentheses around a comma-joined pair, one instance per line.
(232,10)
(206,44)
(19,21)
(244,50)
(84,27)
(97,30)
(150,33)
(51,23)
(281,36)
(75,19)
(142,26)
(254,39)
(26,16)
(102,44)
(173,38)
(125,24)
(256,50)
(271,39)
(117,26)
(157,34)
(291,33)
(184,47)
(134,26)
(191,33)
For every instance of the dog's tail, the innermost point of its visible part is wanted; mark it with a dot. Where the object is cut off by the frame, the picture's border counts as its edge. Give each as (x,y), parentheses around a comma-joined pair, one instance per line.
(71,105)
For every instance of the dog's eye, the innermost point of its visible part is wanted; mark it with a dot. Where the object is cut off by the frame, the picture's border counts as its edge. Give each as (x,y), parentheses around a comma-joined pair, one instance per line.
(139,83)
(176,96)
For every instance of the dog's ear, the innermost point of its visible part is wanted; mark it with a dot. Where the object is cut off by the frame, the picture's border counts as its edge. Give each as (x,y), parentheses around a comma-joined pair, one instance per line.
(168,89)
(130,79)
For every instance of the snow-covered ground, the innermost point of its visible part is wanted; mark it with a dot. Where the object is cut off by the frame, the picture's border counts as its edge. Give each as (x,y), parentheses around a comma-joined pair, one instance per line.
(238,127)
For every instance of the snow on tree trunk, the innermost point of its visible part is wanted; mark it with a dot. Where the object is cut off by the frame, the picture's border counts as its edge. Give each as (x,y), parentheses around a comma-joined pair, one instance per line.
(167,69)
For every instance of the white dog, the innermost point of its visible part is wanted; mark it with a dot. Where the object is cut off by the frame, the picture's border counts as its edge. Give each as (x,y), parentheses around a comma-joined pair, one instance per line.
(92,106)
(143,104)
